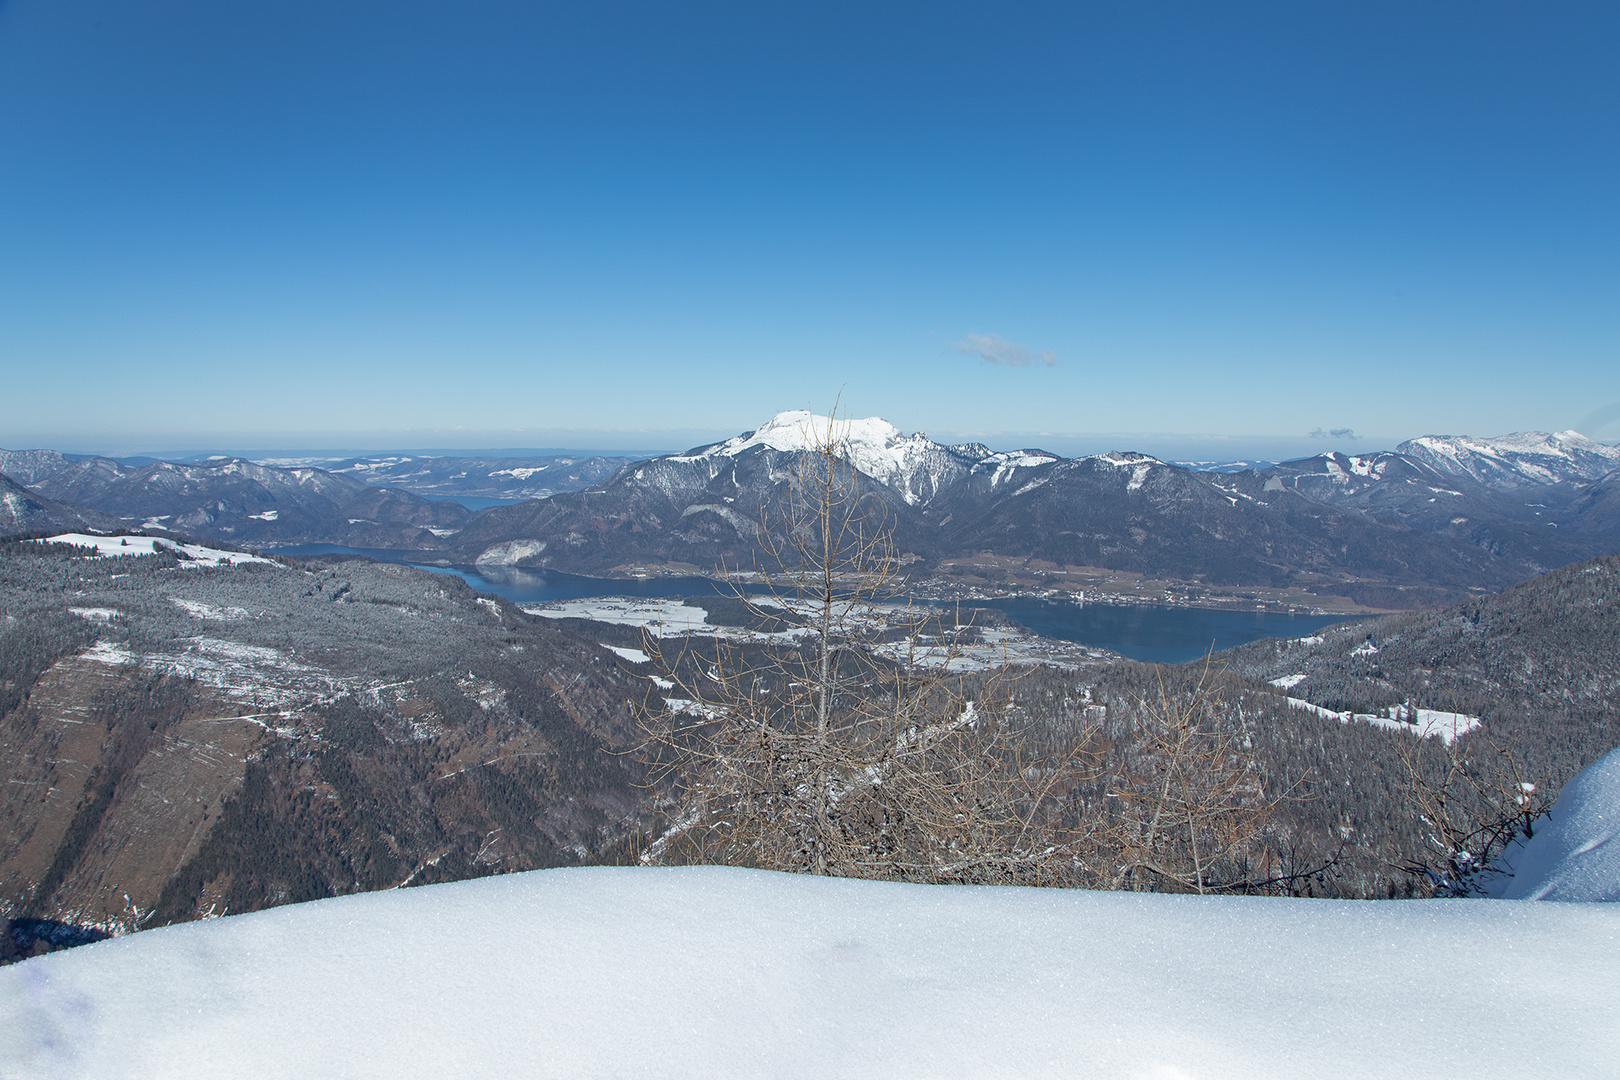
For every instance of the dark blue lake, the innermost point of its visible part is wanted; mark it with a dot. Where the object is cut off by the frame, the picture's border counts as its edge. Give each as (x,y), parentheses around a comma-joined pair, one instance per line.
(1163,635)
(1159,635)
(474,502)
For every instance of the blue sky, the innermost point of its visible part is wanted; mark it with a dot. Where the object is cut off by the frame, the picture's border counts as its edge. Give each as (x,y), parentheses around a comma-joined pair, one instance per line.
(1204,230)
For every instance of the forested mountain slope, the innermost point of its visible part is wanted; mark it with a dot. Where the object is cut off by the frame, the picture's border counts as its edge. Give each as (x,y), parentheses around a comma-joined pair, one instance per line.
(1539,662)
(182,740)
(23,511)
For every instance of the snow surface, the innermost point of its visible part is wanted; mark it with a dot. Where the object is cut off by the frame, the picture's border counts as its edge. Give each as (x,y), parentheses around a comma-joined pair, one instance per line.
(1018,459)
(1574,853)
(147,545)
(199,610)
(661,617)
(1425,723)
(712,972)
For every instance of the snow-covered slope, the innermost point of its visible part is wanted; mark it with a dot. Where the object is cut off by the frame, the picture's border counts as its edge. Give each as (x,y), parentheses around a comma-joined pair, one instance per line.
(1575,852)
(733,973)
(30,466)
(1517,460)
(913,465)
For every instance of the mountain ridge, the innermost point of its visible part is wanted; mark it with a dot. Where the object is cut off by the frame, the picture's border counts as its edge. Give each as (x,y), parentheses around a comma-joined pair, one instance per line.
(1369,526)
(1382,529)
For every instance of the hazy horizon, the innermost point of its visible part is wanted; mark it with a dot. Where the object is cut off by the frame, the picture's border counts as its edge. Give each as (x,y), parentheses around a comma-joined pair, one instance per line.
(1166,446)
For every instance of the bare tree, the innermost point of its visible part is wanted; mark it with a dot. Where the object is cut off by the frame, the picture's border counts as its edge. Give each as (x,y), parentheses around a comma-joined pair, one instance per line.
(855,741)
(1190,810)
(1473,800)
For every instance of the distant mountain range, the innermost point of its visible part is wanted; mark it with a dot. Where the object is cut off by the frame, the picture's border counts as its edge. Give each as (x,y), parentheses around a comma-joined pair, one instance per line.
(1422,524)
(1426,523)
(480,477)
(239,501)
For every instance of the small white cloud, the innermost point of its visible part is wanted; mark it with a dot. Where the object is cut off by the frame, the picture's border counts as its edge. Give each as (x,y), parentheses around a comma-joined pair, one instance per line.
(1335,433)
(998,350)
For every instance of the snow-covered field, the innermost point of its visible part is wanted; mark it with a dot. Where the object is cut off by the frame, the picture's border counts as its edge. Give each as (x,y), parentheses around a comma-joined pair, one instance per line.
(1424,722)
(147,545)
(670,617)
(662,617)
(711,972)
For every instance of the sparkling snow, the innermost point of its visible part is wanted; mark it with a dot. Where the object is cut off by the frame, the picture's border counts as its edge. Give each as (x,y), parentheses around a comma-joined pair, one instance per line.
(799,429)
(714,973)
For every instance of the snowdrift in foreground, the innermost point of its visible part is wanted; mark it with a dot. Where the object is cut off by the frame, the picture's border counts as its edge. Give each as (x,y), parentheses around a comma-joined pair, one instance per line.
(714,972)
(1575,852)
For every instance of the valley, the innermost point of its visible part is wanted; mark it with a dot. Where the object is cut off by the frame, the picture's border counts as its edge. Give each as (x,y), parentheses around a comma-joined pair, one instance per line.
(968,540)
(190,728)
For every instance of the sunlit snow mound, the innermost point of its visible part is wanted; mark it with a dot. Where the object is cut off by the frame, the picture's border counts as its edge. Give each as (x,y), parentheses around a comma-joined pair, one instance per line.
(609,972)
(1574,853)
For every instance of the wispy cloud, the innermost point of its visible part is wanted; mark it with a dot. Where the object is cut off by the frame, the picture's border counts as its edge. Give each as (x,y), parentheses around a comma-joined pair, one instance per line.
(1335,433)
(998,350)
(1600,420)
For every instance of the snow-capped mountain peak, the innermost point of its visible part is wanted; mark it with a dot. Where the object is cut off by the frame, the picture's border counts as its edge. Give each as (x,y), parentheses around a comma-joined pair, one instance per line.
(871,440)
(1524,457)
(914,464)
